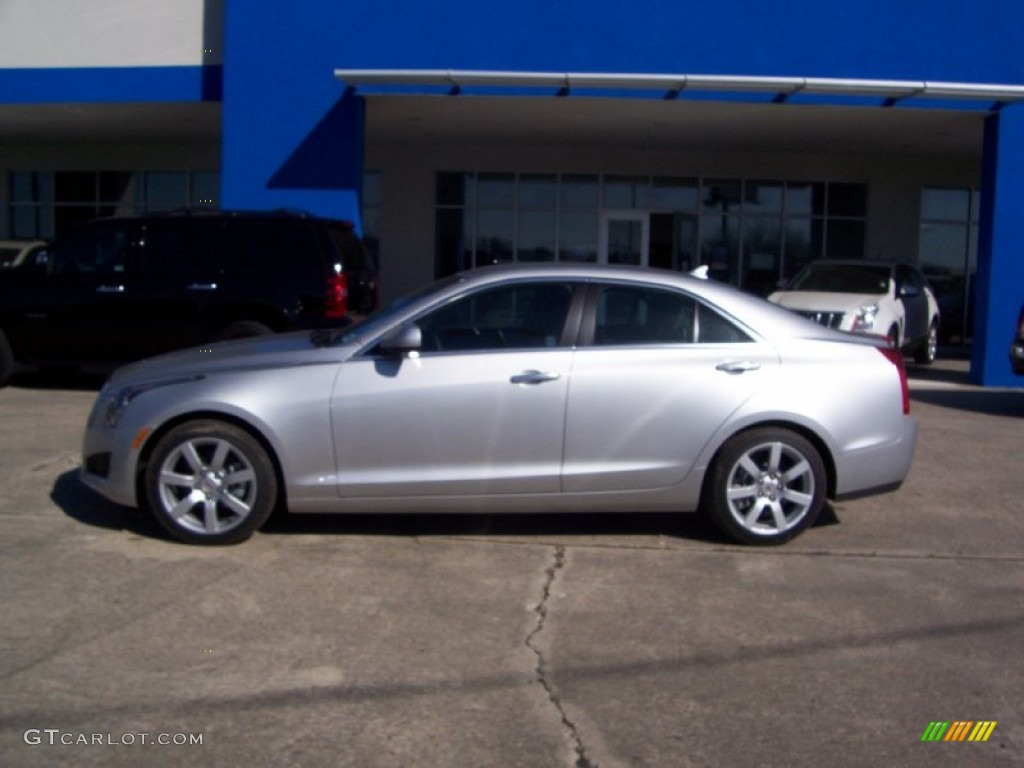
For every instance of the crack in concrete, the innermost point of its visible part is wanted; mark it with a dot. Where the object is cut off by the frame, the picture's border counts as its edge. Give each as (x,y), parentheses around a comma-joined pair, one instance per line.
(541,670)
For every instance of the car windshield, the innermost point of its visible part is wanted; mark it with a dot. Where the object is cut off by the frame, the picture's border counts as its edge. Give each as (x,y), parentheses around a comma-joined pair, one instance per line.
(842,278)
(382,318)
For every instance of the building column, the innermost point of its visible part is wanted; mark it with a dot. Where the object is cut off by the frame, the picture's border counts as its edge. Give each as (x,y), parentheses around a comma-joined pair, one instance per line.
(999,287)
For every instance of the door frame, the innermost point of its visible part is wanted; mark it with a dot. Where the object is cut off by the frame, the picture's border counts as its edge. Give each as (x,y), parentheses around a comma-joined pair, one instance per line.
(609,215)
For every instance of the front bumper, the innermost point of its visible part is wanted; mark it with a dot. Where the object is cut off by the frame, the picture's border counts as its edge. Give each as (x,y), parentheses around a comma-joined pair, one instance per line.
(110,457)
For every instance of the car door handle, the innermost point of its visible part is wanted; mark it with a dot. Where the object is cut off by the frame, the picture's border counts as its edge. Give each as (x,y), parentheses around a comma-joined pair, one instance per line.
(203,287)
(737,366)
(109,289)
(535,377)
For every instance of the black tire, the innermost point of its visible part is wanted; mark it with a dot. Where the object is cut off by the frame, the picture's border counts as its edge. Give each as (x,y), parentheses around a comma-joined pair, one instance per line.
(894,337)
(778,501)
(6,360)
(925,353)
(201,505)
(244,329)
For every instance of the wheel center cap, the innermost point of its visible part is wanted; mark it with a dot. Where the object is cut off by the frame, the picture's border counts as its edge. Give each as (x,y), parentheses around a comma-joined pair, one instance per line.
(209,482)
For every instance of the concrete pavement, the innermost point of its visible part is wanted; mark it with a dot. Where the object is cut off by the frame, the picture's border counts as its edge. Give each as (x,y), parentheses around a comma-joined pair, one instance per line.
(532,641)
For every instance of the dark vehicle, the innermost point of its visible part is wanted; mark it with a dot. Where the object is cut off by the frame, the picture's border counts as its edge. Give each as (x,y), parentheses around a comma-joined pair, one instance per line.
(16,253)
(122,289)
(1017,347)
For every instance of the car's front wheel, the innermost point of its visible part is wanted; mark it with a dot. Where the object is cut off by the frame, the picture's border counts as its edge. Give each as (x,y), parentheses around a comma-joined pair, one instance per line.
(765,486)
(925,354)
(209,482)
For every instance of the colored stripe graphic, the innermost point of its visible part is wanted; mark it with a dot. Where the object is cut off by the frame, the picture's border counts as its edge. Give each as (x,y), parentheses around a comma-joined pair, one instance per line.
(982,730)
(934,731)
(959,730)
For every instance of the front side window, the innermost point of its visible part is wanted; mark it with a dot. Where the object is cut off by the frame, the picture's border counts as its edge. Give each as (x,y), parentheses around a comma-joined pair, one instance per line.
(97,250)
(632,315)
(528,315)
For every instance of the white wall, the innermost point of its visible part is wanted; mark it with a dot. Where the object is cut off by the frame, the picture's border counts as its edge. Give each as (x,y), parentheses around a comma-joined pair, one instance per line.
(109,33)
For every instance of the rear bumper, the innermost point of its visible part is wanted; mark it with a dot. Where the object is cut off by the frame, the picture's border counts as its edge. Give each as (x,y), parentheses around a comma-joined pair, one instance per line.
(879,467)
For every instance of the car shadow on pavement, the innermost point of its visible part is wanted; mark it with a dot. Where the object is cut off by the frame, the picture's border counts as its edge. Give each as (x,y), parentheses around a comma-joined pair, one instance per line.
(986,401)
(59,378)
(82,504)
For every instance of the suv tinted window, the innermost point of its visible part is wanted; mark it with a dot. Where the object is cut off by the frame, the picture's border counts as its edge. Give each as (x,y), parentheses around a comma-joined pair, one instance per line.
(273,244)
(180,245)
(353,257)
(101,249)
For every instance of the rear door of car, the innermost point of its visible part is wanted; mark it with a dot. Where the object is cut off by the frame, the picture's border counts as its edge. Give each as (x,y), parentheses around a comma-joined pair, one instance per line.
(479,410)
(179,284)
(656,375)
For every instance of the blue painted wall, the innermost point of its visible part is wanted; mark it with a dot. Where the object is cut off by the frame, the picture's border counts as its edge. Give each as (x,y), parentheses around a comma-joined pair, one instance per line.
(279,59)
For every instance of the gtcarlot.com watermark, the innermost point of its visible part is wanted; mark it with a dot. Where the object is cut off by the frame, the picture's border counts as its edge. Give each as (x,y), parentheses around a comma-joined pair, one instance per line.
(55,737)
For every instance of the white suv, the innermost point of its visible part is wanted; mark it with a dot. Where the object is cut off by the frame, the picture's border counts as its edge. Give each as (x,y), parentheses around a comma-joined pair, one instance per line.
(875,297)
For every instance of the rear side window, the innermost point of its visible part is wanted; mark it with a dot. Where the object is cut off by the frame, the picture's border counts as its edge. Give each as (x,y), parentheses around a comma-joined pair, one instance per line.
(634,315)
(273,245)
(350,252)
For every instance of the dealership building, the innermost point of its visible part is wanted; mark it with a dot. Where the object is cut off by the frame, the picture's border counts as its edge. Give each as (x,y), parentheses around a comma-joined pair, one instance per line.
(749,136)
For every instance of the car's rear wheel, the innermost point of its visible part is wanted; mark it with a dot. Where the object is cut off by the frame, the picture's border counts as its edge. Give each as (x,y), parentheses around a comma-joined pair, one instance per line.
(765,486)
(6,360)
(208,482)
(925,354)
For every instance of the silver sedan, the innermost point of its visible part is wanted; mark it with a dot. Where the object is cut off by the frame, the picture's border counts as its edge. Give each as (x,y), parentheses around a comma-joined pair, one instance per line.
(514,389)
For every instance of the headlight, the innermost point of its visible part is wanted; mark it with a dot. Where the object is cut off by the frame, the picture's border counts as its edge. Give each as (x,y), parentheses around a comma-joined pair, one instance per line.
(864,317)
(117,401)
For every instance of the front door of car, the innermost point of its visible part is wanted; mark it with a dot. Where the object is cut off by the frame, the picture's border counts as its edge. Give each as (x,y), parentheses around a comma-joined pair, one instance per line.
(478,410)
(76,312)
(657,374)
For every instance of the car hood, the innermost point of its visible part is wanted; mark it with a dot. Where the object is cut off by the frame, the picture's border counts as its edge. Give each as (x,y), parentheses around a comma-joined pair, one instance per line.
(255,353)
(821,301)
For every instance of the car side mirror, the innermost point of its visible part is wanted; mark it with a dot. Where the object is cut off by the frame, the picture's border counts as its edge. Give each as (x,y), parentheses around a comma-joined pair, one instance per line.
(402,341)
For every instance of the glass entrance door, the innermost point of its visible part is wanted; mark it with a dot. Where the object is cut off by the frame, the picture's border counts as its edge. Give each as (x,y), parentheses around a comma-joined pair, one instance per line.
(624,238)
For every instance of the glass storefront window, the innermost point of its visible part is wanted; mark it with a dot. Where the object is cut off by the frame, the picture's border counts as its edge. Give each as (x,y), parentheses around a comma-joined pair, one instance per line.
(751,232)
(948,256)
(48,204)
(577,236)
(578,191)
(675,194)
(535,238)
(626,192)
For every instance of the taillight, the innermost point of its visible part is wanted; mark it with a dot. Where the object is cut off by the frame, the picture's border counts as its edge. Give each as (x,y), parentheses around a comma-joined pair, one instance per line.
(336,301)
(895,357)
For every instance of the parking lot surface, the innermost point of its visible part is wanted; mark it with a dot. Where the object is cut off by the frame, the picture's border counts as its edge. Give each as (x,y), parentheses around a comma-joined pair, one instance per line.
(617,640)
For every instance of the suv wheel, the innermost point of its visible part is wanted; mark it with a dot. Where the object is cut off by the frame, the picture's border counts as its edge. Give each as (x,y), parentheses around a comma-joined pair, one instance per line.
(6,360)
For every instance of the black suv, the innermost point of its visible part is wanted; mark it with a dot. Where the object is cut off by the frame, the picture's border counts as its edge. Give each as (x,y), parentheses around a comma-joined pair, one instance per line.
(125,288)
